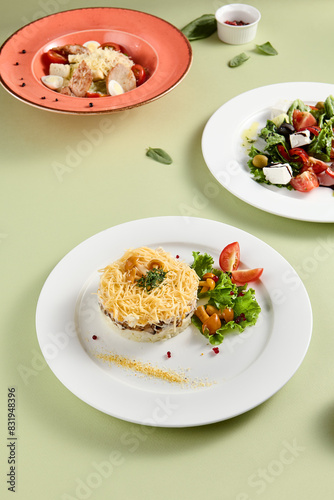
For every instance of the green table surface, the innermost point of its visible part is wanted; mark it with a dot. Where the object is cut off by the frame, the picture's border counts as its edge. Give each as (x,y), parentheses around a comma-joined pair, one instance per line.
(281,449)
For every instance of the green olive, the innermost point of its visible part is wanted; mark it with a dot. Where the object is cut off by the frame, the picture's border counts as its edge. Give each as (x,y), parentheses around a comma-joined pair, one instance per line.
(320,105)
(260,161)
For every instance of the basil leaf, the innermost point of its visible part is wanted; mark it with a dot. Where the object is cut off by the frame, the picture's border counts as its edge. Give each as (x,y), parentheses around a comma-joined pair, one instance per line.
(159,155)
(237,60)
(202,27)
(267,48)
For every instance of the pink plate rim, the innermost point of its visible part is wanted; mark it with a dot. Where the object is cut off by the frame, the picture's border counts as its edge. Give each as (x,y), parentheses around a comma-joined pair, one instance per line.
(18,52)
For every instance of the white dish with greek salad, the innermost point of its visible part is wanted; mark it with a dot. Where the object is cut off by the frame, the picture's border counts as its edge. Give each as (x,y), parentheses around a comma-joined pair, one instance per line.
(272,148)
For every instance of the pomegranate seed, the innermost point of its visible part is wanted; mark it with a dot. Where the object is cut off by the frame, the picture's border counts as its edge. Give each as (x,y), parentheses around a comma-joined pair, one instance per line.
(94,337)
(215,350)
(241,294)
(215,279)
(242,317)
(177,256)
(169,354)
(231,292)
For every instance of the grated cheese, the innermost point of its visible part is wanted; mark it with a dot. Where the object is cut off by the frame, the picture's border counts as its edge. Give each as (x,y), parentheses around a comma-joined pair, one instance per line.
(126,302)
(101,61)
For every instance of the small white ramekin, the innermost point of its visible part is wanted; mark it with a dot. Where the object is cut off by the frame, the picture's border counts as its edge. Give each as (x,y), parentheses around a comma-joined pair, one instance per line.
(237,35)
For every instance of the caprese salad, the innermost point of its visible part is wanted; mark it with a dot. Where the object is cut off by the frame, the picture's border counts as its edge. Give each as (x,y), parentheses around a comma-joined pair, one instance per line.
(295,149)
(227,303)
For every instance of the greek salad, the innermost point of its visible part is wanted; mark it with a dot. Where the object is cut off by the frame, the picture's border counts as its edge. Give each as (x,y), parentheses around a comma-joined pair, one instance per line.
(295,149)
(227,302)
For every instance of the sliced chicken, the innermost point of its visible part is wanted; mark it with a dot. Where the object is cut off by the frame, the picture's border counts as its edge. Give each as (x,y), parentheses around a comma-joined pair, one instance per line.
(66,91)
(122,75)
(81,80)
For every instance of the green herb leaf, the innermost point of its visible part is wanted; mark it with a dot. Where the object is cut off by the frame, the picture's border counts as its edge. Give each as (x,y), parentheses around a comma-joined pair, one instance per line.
(152,279)
(202,27)
(237,60)
(159,155)
(268,49)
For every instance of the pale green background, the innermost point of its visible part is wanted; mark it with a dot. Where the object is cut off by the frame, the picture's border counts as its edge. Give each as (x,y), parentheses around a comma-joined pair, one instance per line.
(61,437)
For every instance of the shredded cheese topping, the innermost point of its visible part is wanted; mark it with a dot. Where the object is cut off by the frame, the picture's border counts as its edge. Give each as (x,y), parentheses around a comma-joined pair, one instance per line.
(101,61)
(126,302)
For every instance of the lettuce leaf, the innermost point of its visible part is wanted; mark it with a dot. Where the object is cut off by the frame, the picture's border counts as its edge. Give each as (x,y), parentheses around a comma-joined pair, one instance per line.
(226,294)
(329,106)
(270,135)
(202,264)
(297,104)
(321,145)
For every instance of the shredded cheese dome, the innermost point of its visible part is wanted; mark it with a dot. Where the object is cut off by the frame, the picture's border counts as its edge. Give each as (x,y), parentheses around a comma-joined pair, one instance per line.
(133,306)
(101,61)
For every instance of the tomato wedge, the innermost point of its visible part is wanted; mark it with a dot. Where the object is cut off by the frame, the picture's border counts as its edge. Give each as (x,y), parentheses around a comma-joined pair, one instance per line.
(55,57)
(229,258)
(303,119)
(304,182)
(140,73)
(243,276)
(318,166)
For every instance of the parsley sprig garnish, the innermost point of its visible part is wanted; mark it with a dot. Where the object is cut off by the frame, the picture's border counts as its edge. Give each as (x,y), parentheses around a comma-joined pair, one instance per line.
(152,279)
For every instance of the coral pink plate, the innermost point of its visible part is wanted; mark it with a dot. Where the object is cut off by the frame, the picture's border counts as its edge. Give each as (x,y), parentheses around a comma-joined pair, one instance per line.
(152,42)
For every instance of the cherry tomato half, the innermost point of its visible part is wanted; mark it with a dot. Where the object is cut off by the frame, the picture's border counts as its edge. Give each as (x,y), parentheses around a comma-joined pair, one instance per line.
(140,73)
(230,257)
(303,119)
(243,276)
(93,94)
(113,45)
(318,166)
(304,182)
(55,57)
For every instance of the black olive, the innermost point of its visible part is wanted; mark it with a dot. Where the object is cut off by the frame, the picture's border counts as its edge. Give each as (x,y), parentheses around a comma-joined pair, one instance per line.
(286,129)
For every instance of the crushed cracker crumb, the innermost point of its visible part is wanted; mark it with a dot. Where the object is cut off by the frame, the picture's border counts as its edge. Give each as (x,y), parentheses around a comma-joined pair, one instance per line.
(151,371)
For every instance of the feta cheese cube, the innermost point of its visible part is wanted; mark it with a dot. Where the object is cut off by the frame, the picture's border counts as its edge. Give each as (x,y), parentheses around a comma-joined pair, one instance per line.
(279,173)
(280,107)
(299,139)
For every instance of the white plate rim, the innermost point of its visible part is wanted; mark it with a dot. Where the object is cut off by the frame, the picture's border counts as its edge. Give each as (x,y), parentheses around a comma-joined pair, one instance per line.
(218,141)
(76,371)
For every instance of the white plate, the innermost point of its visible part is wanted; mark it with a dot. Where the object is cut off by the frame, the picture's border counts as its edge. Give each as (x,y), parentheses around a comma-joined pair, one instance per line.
(226,156)
(249,368)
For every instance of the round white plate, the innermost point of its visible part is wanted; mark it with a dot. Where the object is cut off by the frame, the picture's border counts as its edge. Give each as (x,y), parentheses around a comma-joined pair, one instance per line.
(249,368)
(226,155)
